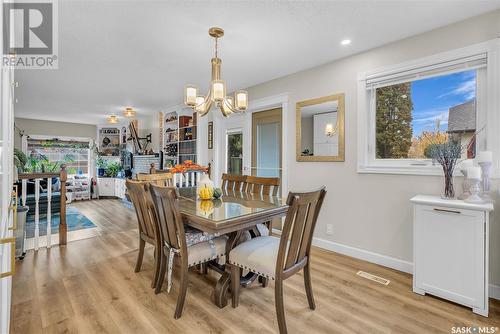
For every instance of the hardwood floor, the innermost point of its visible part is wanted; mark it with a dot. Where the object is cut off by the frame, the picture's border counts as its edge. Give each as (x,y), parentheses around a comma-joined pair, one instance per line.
(90,286)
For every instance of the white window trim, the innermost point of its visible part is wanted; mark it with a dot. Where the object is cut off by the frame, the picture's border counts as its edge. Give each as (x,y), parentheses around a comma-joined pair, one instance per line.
(488,103)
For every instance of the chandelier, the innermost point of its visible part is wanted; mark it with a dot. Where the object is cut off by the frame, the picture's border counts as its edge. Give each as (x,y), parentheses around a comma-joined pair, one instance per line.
(217,92)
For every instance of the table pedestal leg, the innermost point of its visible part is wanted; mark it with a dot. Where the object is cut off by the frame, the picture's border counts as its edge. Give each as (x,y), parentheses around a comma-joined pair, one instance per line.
(222,287)
(224,282)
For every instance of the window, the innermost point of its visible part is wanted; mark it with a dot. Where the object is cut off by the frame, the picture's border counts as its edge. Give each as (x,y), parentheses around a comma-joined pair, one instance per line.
(412,115)
(405,108)
(47,155)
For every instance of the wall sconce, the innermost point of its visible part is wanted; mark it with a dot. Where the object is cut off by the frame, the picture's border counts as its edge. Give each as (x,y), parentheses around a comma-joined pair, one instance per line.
(330,131)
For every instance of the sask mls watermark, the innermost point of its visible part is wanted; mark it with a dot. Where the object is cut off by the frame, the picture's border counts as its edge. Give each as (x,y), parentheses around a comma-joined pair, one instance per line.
(30,34)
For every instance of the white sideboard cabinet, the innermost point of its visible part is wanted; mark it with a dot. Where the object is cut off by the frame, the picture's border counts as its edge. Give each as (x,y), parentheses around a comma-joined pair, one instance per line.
(450,250)
(111,187)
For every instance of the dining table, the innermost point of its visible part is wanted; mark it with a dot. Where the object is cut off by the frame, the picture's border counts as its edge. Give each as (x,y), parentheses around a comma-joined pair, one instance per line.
(234,214)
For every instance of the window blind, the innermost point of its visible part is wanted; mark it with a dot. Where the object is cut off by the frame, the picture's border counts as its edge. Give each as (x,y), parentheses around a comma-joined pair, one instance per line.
(425,71)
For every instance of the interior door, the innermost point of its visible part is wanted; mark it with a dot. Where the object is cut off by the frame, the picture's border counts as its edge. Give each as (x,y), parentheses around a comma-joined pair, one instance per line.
(267,143)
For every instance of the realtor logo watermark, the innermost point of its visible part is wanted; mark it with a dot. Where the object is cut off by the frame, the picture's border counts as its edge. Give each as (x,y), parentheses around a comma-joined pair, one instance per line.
(474,330)
(30,34)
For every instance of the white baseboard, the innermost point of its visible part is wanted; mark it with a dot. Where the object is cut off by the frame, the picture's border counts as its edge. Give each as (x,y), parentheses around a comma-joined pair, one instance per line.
(383,260)
(494,291)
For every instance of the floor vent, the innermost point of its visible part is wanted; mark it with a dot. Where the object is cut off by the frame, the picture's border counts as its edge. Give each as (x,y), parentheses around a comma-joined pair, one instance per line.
(373,277)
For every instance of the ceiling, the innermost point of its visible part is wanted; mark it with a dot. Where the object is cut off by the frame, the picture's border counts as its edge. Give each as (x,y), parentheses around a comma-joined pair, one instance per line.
(114,54)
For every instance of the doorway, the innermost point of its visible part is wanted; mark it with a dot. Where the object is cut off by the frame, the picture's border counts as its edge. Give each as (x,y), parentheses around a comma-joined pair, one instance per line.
(234,154)
(267,143)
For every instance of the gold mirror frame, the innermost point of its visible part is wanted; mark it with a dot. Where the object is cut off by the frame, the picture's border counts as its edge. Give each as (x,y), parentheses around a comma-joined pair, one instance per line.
(340,119)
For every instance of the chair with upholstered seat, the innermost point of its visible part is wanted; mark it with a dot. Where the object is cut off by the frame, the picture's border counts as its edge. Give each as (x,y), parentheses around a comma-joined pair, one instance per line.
(280,258)
(148,229)
(190,246)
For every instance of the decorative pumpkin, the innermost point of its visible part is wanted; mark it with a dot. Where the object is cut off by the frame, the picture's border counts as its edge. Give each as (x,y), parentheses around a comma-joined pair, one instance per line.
(205,192)
(217,193)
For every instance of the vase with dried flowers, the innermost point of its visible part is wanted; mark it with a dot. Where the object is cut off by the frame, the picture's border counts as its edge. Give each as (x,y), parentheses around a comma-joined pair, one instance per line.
(447,155)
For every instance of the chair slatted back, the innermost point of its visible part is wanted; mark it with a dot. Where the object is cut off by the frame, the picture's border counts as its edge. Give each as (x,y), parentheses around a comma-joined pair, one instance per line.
(141,199)
(298,229)
(262,185)
(160,179)
(166,204)
(233,182)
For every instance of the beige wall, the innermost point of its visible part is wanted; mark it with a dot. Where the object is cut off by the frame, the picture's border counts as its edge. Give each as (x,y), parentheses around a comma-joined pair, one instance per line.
(368,211)
(50,128)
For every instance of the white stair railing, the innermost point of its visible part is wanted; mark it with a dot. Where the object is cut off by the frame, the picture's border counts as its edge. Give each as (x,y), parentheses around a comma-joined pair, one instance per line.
(38,242)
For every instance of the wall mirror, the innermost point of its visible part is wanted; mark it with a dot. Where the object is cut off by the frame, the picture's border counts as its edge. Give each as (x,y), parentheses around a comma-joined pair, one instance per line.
(320,129)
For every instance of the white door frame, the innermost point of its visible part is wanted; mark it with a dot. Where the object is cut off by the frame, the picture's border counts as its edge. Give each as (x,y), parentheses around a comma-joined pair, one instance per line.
(221,125)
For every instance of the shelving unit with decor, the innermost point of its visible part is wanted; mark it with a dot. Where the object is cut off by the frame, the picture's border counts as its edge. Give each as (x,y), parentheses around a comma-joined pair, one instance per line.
(170,139)
(187,138)
(78,188)
(109,140)
(179,133)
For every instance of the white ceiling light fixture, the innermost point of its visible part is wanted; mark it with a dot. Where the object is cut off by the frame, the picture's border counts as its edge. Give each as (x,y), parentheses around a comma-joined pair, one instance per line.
(217,92)
(345,42)
(129,112)
(113,119)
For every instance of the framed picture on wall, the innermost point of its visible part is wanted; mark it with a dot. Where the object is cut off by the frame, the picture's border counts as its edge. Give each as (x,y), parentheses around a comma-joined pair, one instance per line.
(210,135)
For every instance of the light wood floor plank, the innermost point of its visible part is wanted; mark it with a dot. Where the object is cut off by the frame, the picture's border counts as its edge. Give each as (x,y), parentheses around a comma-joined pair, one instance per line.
(89,286)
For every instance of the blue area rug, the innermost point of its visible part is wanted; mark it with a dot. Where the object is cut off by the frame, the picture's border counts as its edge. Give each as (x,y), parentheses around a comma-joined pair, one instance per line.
(74,220)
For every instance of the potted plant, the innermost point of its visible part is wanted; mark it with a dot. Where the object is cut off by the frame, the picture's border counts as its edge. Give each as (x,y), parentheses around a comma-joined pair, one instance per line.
(101,166)
(112,169)
(20,161)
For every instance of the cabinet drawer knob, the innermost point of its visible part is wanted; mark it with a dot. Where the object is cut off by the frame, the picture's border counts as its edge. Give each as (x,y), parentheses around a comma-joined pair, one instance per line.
(448,211)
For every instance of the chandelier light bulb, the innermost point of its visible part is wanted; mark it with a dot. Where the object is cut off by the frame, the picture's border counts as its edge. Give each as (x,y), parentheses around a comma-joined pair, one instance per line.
(190,94)
(200,104)
(241,98)
(218,90)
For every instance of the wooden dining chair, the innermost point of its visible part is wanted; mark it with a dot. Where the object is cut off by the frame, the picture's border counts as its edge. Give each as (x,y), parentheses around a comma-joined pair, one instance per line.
(262,185)
(160,179)
(280,258)
(188,247)
(233,182)
(148,229)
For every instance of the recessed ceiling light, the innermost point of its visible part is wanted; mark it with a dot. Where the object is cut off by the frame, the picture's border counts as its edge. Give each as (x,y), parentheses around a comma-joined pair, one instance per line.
(346,42)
